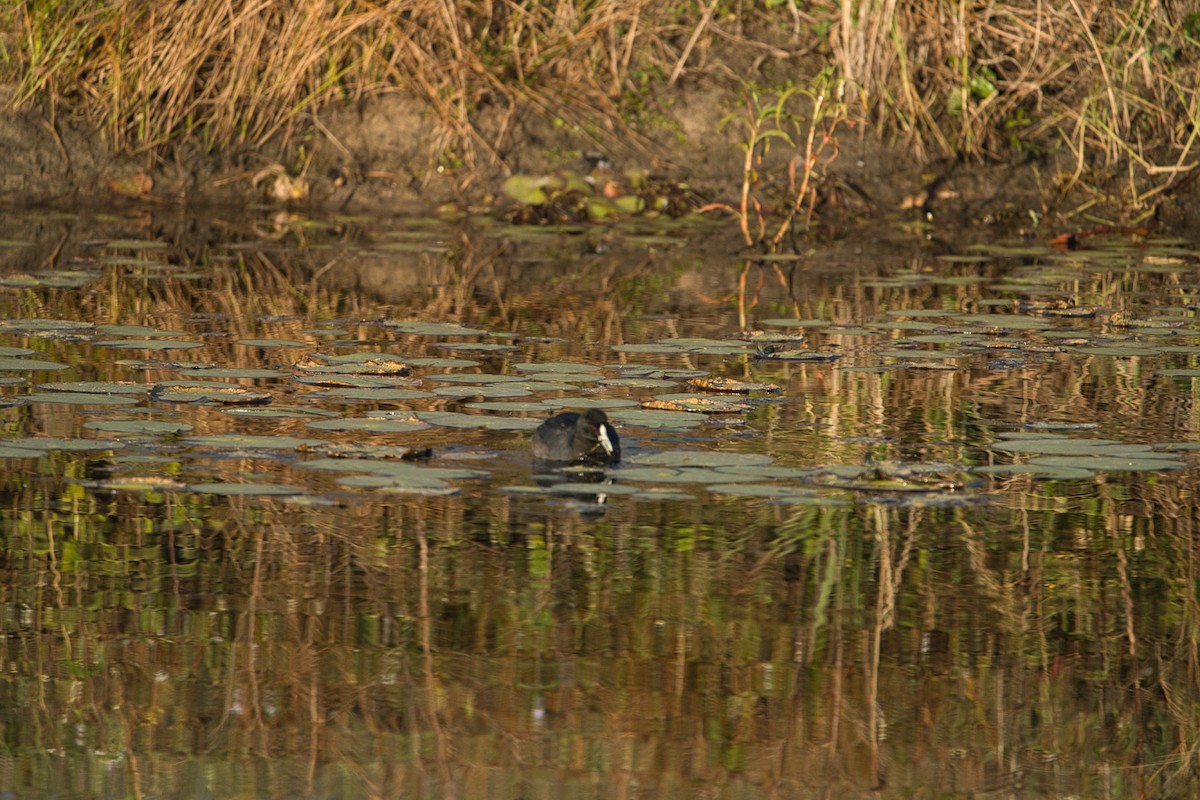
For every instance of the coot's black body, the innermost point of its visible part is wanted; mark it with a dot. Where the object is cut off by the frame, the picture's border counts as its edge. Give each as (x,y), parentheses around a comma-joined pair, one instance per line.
(577,437)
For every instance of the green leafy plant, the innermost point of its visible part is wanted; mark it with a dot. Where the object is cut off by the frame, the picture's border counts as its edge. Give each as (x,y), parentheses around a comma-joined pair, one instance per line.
(778,117)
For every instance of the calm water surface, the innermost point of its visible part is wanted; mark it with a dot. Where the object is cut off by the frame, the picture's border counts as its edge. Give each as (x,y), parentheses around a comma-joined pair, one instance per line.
(946,548)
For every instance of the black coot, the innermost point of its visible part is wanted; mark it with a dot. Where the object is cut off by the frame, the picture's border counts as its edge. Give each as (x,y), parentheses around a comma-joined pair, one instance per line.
(577,437)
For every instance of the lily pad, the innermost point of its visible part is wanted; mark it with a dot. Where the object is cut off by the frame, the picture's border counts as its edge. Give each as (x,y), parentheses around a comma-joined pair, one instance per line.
(202,392)
(278,412)
(69,445)
(145,426)
(451,419)
(243,442)
(272,343)
(147,344)
(355,364)
(665,420)
(246,489)
(699,458)
(29,365)
(97,387)
(731,385)
(695,404)
(231,372)
(430,328)
(380,425)
(80,398)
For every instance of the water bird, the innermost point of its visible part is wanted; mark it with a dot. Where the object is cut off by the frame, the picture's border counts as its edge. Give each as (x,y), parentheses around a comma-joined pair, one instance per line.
(571,436)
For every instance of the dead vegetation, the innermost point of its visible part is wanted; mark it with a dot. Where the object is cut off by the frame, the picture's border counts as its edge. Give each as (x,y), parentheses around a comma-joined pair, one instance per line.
(1114,87)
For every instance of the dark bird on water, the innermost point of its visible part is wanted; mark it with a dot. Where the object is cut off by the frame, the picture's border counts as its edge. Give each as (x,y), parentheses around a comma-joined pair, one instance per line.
(571,436)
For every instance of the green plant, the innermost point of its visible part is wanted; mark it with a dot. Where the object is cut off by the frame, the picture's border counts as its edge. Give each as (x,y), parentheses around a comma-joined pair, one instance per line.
(778,116)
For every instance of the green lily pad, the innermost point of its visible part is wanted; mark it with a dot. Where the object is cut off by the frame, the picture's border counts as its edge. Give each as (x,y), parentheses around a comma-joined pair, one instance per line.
(430,328)
(469,390)
(246,489)
(278,412)
(664,420)
(64,279)
(379,395)
(146,426)
(240,441)
(555,366)
(699,458)
(147,344)
(231,372)
(80,398)
(479,347)
(354,364)
(681,475)
(29,365)
(369,424)
(97,387)
(16,352)
(44,325)
(205,392)
(272,343)
(443,363)
(451,419)
(128,331)
(69,445)
(1042,472)
(1111,463)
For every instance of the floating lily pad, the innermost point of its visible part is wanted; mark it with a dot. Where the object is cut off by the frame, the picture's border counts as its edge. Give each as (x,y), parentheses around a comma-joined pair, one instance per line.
(231,372)
(378,395)
(354,364)
(1071,447)
(696,404)
(207,393)
(461,377)
(1042,472)
(699,458)
(370,424)
(592,489)
(479,347)
(272,343)
(443,363)
(29,365)
(246,489)
(240,441)
(16,352)
(137,483)
(588,402)
(367,451)
(278,412)
(685,345)
(8,451)
(774,491)
(69,445)
(355,381)
(65,279)
(666,420)
(512,406)
(127,331)
(731,385)
(556,366)
(146,426)
(80,398)
(1112,463)
(451,419)
(430,328)
(798,355)
(97,387)
(664,474)
(147,344)
(44,325)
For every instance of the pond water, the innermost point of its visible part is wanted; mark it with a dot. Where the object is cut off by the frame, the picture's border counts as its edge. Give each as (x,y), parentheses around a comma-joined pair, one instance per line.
(901,518)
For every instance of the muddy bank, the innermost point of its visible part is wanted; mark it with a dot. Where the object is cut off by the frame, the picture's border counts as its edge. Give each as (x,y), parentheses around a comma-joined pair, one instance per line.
(379,157)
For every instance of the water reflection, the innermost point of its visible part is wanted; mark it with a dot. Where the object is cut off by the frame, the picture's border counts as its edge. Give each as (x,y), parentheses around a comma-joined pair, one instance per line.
(841,632)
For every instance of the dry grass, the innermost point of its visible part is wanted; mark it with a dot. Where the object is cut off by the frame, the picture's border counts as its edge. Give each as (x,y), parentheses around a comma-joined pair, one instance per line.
(1117,85)
(246,70)
(1113,85)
